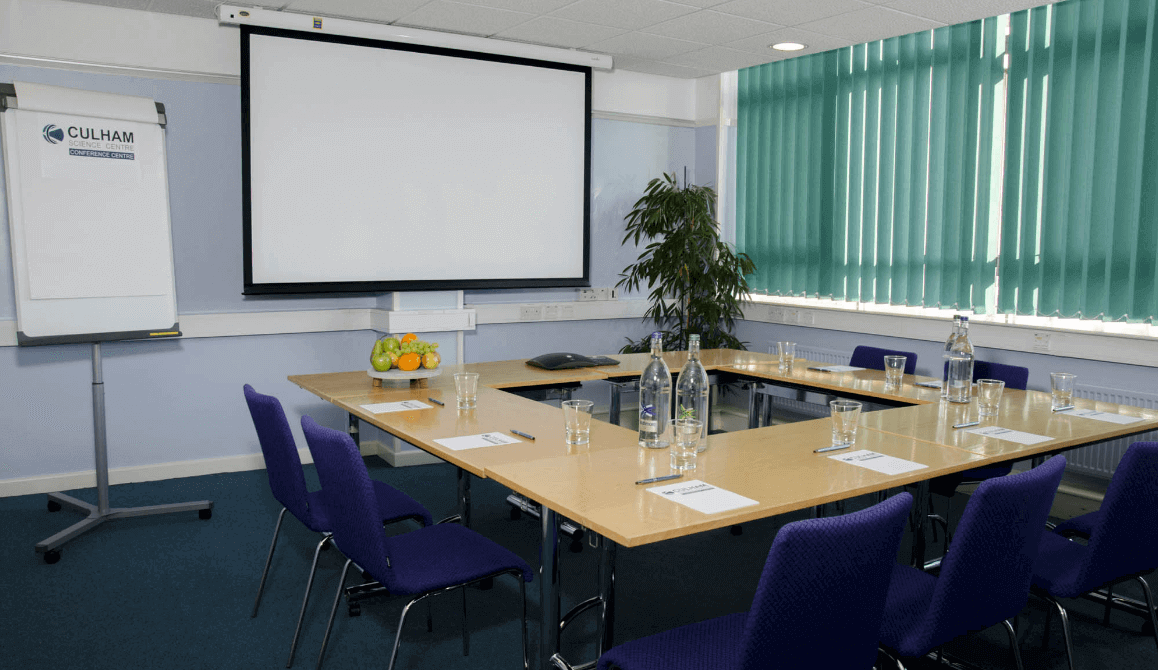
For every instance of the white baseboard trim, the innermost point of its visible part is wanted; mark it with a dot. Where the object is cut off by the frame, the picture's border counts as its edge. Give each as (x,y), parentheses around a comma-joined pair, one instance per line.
(86,479)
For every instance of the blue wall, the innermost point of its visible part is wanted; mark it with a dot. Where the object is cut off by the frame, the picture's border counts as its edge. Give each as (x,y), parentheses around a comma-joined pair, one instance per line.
(180,400)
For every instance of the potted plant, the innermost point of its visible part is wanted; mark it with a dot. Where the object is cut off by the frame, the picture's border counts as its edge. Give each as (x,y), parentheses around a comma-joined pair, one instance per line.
(696,280)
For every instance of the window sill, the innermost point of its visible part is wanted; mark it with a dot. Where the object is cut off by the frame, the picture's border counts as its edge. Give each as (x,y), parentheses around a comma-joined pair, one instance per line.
(1039,336)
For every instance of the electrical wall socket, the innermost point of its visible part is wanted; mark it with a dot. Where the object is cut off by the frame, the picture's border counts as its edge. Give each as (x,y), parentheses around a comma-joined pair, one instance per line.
(550,312)
(601,293)
(1041,342)
(587,294)
(530,313)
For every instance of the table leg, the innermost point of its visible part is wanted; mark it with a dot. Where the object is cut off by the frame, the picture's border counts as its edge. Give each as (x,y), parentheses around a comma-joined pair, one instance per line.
(606,631)
(754,406)
(548,588)
(464,497)
(353,429)
(918,517)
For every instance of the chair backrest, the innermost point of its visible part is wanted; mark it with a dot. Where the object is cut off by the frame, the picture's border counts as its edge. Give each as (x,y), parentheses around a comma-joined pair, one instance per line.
(873,358)
(825,575)
(1014,376)
(1125,540)
(282,463)
(350,499)
(986,573)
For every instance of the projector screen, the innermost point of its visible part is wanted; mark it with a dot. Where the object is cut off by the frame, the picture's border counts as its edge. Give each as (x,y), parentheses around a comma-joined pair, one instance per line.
(372,166)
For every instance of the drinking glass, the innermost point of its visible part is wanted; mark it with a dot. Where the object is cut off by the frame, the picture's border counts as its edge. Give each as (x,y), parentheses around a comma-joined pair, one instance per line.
(787,352)
(989,396)
(466,388)
(1062,386)
(894,370)
(687,441)
(577,421)
(845,416)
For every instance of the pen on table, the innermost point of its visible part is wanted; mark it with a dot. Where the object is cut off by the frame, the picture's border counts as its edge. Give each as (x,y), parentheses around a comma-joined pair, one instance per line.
(1063,408)
(835,447)
(522,434)
(818,369)
(660,479)
(437,402)
(967,424)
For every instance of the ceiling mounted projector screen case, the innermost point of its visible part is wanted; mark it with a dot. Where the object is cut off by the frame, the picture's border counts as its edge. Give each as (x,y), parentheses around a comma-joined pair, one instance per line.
(374,166)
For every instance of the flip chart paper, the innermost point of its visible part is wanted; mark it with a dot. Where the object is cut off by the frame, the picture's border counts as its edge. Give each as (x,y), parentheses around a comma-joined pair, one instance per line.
(476,441)
(386,407)
(1101,416)
(884,464)
(1009,435)
(702,497)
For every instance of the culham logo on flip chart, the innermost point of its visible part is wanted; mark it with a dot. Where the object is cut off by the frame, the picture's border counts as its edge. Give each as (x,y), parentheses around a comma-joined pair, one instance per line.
(88,142)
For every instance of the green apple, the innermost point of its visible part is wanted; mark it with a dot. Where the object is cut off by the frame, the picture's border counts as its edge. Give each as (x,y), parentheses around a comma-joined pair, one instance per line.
(381,361)
(377,348)
(391,344)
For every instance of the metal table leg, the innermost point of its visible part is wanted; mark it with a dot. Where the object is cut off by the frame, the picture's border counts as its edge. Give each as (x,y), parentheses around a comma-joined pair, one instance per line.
(606,630)
(616,405)
(352,429)
(917,518)
(548,588)
(464,497)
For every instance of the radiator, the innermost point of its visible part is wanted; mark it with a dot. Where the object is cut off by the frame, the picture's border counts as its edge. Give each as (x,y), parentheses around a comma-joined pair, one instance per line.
(826,356)
(1100,460)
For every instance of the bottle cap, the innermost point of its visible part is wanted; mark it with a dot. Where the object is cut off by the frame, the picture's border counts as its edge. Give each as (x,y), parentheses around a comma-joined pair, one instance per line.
(693,338)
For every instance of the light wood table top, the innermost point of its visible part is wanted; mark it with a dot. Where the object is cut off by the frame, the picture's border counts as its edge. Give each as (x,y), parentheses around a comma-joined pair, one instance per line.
(632,365)
(775,466)
(497,411)
(1026,411)
(862,383)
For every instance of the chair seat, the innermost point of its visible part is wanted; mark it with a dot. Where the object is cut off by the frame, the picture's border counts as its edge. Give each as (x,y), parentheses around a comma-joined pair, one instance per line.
(393,505)
(705,645)
(435,557)
(1080,525)
(1058,564)
(910,593)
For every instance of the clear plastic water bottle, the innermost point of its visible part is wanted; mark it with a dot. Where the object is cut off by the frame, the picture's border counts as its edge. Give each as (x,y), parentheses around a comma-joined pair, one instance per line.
(948,349)
(692,391)
(961,366)
(655,399)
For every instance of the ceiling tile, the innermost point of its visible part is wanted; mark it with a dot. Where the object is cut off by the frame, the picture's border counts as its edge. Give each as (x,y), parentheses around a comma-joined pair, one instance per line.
(371,10)
(529,6)
(702,4)
(460,18)
(660,68)
(961,11)
(643,45)
(762,44)
(869,25)
(627,14)
(559,32)
(719,59)
(711,27)
(790,12)
(197,8)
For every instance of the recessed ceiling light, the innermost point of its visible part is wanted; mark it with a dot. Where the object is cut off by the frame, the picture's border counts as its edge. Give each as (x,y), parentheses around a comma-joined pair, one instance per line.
(788,46)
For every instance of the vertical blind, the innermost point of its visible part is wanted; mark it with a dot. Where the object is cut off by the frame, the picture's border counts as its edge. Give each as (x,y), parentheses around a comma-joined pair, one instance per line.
(912,171)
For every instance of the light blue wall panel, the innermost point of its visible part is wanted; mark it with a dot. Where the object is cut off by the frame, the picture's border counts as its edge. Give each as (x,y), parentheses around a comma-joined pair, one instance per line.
(705,174)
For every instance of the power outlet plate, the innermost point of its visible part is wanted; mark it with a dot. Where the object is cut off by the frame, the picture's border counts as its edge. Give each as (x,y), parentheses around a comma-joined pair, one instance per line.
(530,313)
(1041,342)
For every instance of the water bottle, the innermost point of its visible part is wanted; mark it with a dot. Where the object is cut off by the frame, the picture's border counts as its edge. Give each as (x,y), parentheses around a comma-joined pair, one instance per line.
(655,399)
(949,348)
(692,391)
(961,366)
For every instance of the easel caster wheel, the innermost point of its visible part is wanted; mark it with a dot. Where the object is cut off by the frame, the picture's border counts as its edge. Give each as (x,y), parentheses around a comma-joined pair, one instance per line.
(354,609)
(53,506)
(51,556)
(737,529)
(204,514)
(576,546)
(516,514)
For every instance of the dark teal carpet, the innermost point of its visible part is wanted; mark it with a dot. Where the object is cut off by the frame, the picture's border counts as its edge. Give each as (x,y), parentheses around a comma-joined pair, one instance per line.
(176,592)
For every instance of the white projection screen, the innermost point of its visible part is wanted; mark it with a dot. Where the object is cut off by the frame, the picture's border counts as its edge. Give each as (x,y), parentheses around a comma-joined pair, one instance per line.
(372,165)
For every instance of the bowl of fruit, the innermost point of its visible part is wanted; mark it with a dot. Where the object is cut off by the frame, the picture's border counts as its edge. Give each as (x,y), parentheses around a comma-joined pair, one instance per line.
(406,357)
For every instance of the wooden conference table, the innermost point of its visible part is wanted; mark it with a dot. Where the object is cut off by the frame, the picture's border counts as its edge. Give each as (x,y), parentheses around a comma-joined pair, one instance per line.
(594,484)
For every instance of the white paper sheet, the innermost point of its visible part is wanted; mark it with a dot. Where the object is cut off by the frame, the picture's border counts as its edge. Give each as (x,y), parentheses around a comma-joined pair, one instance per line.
(385,407)
(839,368)
(477,441)
(1101,416)
(871,460)
(1008,435)
(702,497)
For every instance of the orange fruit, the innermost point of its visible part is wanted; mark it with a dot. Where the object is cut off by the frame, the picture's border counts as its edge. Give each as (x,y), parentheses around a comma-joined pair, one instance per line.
(409,337)
(408,362)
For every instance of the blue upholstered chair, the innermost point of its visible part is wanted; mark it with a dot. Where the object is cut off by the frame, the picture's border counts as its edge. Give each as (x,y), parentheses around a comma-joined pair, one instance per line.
(822,576)
(873,358)
(1122,542)
(421,563)
(984,579)
(288,484)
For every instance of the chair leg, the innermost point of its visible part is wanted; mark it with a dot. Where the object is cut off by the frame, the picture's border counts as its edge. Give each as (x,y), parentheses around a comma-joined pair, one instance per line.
(1150,606)
(1013,644)
(1065,622)
(398,635)
(1109,603)
(523,592)
(465,628)
(268,559)
(306,600)
(333,611)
